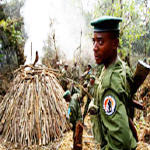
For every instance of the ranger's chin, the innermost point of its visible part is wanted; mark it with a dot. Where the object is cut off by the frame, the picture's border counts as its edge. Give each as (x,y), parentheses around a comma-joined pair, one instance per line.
(98,61)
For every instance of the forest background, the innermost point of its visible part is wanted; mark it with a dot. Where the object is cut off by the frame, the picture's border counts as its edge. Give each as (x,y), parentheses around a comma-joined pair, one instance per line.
(61,32)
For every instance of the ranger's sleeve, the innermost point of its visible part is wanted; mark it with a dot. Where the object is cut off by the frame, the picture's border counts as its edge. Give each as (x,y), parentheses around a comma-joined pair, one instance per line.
(115,120)
(79,113)
(72,115)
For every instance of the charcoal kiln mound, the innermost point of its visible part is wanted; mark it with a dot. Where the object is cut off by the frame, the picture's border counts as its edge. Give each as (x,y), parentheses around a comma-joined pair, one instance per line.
(33,111)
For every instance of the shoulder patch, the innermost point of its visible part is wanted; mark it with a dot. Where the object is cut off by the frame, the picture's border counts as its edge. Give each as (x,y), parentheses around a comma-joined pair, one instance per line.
(109,105)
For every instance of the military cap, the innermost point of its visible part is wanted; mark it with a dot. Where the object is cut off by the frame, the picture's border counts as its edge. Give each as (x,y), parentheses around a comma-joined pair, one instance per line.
(106,23)
(66,94)
(66,65)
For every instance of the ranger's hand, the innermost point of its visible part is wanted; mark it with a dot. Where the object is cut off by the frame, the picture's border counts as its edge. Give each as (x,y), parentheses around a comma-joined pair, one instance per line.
(71,126)
(93,109)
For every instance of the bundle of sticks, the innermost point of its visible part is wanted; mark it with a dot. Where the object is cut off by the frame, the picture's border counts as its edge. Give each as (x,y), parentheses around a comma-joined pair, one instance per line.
(33,111)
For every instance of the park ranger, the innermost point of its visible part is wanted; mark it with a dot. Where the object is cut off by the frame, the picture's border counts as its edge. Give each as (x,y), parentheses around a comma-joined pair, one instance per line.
(75,72)
(110,109)
(74,110)
(64,77)
(65,72)
(86,75)
(90,88)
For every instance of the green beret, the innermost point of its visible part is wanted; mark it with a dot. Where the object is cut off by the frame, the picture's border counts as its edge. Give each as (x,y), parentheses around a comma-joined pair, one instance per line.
(66,94)
(106,23)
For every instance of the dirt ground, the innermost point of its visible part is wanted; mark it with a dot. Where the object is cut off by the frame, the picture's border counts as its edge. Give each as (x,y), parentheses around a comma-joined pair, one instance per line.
(66,142)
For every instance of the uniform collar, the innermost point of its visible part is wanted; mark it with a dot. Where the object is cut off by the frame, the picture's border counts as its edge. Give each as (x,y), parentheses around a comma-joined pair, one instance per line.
(114,63)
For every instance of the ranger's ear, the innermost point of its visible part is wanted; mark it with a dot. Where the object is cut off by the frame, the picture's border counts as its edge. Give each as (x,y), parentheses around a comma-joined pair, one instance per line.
(115,43)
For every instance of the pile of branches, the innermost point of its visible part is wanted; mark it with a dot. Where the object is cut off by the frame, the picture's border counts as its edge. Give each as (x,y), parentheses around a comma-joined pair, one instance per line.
(33,111)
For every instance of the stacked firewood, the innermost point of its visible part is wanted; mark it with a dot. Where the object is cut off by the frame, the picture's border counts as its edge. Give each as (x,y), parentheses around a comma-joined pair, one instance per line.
(33,111)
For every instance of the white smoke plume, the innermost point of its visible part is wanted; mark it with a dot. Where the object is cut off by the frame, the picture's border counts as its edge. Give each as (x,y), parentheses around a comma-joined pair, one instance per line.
(69,22)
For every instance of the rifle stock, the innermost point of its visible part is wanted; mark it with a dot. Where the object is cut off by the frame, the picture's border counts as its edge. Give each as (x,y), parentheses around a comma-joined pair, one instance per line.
(141,72)
(133,129)
(138,105)
(81,87)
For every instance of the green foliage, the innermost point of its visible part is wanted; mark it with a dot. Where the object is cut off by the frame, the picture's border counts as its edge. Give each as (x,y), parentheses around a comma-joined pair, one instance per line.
(11,37)
(12,32)
(3,24)
(1,56)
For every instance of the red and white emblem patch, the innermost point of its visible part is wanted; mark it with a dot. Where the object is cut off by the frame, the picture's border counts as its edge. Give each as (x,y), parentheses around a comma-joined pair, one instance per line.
(109,105)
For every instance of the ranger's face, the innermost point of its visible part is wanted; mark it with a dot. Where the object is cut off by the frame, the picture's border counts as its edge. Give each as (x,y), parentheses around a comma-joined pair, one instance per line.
(68,98)
(66,67)
(103,47)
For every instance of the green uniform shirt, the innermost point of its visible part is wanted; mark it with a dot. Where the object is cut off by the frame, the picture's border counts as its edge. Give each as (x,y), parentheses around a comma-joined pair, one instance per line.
(110,124)
(98,69)
(63,79)
(91,89)
(75,73)
(74,110)
(66,73)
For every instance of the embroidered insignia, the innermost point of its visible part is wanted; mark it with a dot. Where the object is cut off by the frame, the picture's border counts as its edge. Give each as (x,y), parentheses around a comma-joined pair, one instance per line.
(109,105)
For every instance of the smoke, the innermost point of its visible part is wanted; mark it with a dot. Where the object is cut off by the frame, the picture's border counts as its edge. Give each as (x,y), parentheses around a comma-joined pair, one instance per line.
(36,20)
(69,21)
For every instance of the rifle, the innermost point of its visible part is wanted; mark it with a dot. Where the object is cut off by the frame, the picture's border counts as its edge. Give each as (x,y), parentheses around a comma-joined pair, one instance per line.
(133,129)
(141,72)
(81,87)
